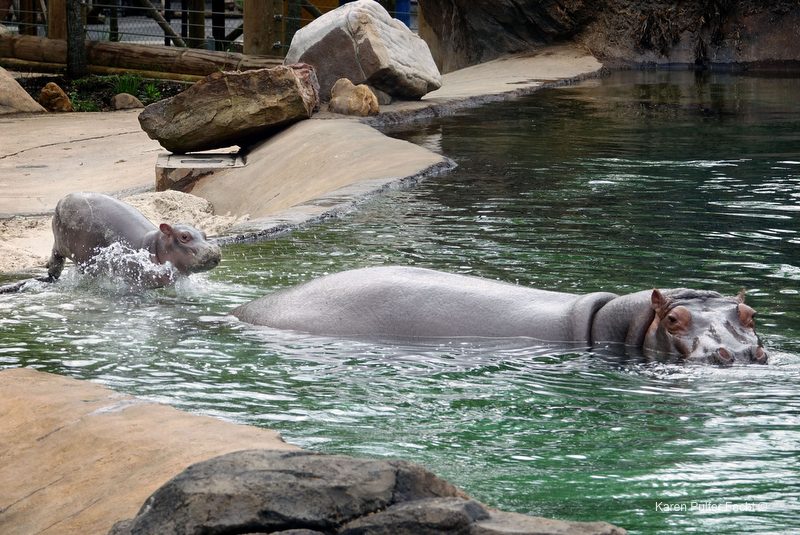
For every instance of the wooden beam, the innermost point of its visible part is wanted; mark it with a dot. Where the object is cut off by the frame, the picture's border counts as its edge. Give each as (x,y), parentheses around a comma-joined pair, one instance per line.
(57,27)
(263,27)
(133,57)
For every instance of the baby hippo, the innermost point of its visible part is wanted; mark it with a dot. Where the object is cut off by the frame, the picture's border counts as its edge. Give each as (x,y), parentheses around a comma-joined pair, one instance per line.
(86,224)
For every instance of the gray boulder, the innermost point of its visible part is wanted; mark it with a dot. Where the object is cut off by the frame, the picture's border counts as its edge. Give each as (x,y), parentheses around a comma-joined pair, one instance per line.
(13,98)
(360,41)
(308,493)
(232,108)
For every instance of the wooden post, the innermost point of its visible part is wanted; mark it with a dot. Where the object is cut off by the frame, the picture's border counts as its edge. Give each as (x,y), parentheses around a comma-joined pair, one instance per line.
(57,19)
(76,41)
(197,23)
(27,17)
(263,27)
(113,21)
(294,12)
(218,24)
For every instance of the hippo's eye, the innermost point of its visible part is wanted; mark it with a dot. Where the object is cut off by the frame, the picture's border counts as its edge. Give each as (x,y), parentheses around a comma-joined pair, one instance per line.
(185,237)
(678,319)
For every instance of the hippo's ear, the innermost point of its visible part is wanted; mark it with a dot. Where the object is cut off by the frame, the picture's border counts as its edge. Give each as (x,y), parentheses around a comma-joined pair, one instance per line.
(657,300)
(166,229)
(740,298)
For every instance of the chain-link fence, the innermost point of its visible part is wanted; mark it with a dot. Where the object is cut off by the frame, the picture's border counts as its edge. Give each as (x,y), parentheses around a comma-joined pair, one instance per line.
(210,24)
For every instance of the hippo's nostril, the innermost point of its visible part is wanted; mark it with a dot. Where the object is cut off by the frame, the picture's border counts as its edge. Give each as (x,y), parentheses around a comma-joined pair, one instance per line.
(757,355)
(721,357)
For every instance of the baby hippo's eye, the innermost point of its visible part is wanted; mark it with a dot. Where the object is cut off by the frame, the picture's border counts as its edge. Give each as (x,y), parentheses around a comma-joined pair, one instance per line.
(185,237)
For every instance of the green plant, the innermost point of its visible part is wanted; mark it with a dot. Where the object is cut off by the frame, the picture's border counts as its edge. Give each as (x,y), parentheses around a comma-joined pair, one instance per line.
(127,83)
(82,104)
(151,93)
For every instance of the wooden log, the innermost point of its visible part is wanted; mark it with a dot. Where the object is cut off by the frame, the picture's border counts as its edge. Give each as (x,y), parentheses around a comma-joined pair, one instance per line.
(20,65)
(129,56)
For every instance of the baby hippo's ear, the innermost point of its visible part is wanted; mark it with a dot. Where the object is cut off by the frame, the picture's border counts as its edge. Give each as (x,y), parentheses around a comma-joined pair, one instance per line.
(166,229)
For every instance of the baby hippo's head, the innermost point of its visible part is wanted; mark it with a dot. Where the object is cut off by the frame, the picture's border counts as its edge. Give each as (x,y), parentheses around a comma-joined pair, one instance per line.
(187,249)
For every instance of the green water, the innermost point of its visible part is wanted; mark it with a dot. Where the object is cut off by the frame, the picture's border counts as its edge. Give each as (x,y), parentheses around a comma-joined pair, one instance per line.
(623,184)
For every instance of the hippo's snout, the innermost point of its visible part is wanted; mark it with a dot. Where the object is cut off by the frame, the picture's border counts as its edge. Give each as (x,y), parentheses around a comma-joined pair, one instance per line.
(749,355)
(205,259)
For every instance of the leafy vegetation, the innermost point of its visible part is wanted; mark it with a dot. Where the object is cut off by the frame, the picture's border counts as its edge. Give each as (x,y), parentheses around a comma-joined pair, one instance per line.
(94,92)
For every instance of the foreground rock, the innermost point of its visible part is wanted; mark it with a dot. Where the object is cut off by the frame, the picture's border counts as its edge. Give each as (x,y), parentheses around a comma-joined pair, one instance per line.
(232,108)
(362,42)
(264,491)
(349,99)
(13,98)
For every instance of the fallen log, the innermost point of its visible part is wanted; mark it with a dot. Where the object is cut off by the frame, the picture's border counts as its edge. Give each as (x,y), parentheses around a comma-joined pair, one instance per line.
(129,56)
(21,65)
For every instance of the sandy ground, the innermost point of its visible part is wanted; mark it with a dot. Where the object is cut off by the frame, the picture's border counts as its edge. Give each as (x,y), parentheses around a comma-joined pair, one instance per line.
(25,241)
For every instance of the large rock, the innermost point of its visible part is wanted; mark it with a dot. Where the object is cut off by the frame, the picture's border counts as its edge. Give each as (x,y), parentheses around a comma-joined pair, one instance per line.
(302,492)
(13,98)
(362,42)
(751,33)
(232,108)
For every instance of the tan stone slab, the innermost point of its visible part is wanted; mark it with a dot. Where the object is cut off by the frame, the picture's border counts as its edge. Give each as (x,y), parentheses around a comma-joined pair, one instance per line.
(507,75)
(44,157)
(307,160)
(75,456)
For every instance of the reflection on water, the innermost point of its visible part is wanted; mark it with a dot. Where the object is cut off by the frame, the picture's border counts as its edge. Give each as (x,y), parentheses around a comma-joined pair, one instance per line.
(635,181)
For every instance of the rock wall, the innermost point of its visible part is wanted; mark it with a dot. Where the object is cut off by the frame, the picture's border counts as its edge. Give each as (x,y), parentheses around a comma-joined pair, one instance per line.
(743,33)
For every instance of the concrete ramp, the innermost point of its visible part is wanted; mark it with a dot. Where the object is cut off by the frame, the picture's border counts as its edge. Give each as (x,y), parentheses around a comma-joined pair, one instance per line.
(307,160)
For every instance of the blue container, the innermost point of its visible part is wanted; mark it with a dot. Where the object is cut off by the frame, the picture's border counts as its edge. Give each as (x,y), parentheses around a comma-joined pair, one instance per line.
(403,11)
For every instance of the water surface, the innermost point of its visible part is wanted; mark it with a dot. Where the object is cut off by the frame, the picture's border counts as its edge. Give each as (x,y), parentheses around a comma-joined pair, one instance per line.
(636,181)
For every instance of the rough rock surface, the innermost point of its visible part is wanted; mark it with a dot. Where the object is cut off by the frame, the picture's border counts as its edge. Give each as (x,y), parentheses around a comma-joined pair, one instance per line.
(749,32)
(349,99)
(232,108)
(14,99)
(125,101)
(302,492)
(53,98)
(360,41)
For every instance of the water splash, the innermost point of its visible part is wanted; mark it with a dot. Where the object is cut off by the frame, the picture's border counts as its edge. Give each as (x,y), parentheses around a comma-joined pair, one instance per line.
(121,265)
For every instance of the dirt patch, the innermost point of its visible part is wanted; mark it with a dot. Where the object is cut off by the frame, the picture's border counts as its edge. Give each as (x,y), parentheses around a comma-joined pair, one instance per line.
(177,207)
(94,93)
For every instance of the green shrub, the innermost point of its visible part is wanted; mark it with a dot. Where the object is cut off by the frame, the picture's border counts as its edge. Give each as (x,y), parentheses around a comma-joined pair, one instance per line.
(127,83)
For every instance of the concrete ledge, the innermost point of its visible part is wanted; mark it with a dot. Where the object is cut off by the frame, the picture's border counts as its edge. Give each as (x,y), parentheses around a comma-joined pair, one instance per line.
(77,456)
(181,171)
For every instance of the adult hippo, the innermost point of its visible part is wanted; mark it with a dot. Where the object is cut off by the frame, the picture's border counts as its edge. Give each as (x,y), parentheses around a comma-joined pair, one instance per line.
(86,224)
(413,302)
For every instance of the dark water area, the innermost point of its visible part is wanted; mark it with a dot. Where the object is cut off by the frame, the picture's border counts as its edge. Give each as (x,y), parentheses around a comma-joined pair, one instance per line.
(639,180)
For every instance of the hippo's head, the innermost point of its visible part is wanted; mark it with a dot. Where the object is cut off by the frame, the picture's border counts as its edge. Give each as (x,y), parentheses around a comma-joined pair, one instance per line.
(187,248)
(703,326)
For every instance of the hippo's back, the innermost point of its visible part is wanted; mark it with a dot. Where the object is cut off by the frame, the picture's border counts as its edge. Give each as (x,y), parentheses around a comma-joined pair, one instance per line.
(84,222)
(415,302)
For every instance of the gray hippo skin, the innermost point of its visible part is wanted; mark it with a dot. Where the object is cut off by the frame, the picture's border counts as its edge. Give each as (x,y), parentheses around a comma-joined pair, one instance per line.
(85,223)
(405,302)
